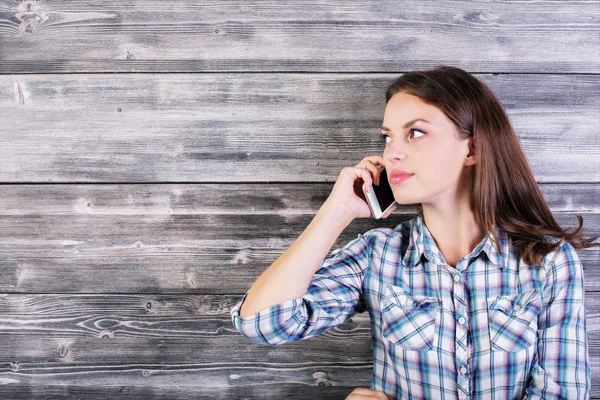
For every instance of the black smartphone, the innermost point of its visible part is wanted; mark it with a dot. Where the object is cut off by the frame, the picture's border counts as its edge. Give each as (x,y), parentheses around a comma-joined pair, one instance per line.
(381,198)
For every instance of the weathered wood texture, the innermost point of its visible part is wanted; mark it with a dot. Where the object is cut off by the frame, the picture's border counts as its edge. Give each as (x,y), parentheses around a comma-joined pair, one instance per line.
(257,127)
(185,341)
(156,157)
(177,238)
(321,35)
(90,343)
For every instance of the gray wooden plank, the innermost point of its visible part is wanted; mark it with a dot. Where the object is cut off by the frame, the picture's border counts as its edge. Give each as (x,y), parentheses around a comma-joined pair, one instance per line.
(36,360)
(298,36)
(202,361)
(156,315)
(145,316)
(253,392)
(256,127)
(281,391)
(209,355)
(187,238)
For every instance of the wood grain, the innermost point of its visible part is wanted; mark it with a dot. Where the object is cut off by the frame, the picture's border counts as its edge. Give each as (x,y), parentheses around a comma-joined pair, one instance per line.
(208,239)
(215,128)
(182,340)
(157,157)
(360,36)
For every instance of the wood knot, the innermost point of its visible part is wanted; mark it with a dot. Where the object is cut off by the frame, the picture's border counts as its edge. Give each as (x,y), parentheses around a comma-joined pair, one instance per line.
(241,257)
(107,335)
(28,6)
(149,305)
(190,279)
(62,351)
(146,373)
(30,26)
(489,17)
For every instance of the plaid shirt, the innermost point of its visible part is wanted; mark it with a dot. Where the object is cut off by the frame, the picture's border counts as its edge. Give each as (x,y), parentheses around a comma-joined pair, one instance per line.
(491,328)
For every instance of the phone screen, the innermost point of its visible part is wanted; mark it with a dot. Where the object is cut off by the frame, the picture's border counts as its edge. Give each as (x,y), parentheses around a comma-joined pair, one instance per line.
(383,191)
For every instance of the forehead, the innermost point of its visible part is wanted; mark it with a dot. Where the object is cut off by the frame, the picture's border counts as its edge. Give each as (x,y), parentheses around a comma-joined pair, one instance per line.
(404,107)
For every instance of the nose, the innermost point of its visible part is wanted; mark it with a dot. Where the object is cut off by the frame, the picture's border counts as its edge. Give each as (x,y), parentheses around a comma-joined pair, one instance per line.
(394,153)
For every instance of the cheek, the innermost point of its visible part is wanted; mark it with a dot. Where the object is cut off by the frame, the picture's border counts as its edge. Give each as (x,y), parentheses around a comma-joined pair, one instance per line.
(440,164)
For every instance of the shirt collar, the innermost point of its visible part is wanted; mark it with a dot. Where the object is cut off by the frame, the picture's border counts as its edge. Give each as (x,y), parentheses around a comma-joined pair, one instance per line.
(421,243)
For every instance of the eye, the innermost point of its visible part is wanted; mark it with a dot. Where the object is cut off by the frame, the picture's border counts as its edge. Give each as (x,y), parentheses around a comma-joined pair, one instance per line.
(386,136)
(417,130)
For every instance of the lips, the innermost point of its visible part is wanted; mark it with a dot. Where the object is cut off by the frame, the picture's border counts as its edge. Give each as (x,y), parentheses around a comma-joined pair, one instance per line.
(398,176)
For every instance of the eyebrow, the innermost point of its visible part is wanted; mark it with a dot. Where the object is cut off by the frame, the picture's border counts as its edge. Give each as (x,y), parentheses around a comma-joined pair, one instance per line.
(406,125)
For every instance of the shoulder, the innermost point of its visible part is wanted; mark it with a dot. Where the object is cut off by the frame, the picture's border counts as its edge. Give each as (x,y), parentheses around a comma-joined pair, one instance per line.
(384,234)
(563,263)
(565,253)
(386,240)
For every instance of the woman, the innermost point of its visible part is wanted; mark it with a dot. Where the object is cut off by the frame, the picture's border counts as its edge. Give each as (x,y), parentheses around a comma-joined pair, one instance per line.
(480,295)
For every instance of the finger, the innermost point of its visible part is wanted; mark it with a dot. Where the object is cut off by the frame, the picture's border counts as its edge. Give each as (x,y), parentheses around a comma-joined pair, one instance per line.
(366,177)
(376,160)
(363,393)
(372,168)
(361,390)
(371,394)
(373,159)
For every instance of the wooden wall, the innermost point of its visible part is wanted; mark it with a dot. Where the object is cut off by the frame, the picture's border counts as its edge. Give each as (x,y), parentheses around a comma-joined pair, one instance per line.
(156,157)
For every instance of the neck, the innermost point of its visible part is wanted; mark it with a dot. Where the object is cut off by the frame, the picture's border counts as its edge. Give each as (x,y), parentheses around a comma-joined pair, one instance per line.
(455,231)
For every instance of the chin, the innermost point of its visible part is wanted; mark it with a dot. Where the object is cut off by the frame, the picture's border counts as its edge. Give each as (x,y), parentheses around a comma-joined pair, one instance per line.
(404,200)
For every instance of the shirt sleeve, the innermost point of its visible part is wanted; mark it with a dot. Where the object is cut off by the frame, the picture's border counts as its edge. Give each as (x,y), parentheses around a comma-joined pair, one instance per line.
(561,367)
(333,295)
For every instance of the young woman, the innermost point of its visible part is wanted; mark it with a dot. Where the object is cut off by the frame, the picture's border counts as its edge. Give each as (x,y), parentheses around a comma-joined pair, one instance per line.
(480,295)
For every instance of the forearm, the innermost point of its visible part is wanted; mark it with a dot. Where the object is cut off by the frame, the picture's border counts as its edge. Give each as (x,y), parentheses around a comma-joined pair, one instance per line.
(290,275)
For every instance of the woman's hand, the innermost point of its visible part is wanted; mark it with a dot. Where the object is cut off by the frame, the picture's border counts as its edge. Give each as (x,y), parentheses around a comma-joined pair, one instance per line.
(362,393)
(347,192)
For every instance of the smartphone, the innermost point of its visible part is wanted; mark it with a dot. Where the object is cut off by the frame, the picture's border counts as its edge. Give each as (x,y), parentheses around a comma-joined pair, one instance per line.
(381,197)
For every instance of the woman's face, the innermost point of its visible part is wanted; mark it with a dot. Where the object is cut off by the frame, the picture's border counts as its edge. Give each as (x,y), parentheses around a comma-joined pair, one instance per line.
(431,151)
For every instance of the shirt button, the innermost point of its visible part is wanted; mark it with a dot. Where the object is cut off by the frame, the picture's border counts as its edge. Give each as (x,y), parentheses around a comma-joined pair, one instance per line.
(463,370)
(409,302)
(461,320)
(456,278)
(516,307)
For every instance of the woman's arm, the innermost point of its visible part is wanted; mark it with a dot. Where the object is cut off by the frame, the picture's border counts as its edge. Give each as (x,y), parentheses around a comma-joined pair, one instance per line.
(289,276)
(304,293)
(561,369)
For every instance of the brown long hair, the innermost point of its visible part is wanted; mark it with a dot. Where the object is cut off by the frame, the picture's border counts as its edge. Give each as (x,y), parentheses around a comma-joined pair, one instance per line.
(504,190)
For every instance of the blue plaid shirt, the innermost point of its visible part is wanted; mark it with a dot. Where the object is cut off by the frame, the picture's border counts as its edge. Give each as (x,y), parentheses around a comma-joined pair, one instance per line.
(491,328)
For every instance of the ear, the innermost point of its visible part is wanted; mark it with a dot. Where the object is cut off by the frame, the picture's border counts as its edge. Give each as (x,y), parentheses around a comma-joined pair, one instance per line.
(471,158)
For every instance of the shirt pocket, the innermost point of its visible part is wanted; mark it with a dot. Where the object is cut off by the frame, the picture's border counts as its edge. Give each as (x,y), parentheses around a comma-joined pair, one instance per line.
(513,320)
(408,320)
